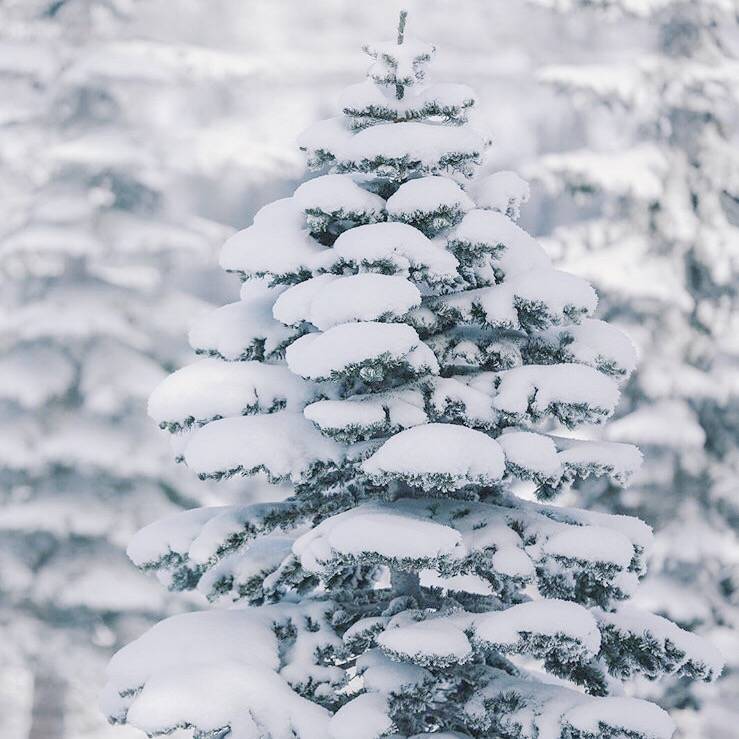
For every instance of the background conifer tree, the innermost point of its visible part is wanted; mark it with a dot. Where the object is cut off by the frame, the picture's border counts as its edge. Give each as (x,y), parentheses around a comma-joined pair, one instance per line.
(407,364)
(94,266)
(665,256)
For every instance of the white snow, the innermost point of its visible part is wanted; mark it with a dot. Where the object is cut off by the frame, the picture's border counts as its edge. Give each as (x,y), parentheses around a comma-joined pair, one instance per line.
(494,231)
(531,451)
(376,530)
(377,246)
(212,388)
(461,456)
(629,714)
(425,195)
(171,534)
(503,191)
(630,620)
(319,356)
(619,461)
(32,375)
(231,329)
(327,300)
(338,193)
(591,544)
(413,142)
(285,444)
(276,244)
(364,717)
(548,617)
(544,385)
(438,638)
(595,342)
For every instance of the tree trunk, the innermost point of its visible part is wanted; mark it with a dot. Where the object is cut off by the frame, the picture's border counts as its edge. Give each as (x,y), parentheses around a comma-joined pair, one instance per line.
(47,713)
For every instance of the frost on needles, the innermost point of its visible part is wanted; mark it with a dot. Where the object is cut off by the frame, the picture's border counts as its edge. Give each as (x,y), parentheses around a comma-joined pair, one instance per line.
(408,363)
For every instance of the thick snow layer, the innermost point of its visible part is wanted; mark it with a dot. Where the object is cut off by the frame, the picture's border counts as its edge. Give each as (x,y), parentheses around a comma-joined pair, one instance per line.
(591,544)
(438,454)
(232,330)
(619,461)
(211,388)
(427,195)
(383,675)
(337,193)
(531,452)
(364,717)
(197,669)
(630,715)
(293,305)
(516,251)
(284,444)
(541,386)
(450,391)
(629,620)
(169,535)
(320,356)
(548,617)
(325,137)
(420,142)
(259,560)
(381,411)
(397,247)
(327,300)
(276,244)
(594,342)
(503,191)
(376,531)
(439,639)
(550,295)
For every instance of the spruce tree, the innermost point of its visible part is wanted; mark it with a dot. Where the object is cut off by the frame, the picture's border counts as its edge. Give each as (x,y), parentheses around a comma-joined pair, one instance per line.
(93,309)
(408,366)
(664,256)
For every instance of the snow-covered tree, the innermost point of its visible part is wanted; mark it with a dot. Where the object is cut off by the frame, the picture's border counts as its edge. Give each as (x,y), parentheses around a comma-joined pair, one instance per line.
(665,255)
(91,318)
(408,363)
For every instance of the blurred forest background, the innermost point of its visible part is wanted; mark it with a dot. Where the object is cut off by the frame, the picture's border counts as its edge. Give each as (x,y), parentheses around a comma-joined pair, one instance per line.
(136,134)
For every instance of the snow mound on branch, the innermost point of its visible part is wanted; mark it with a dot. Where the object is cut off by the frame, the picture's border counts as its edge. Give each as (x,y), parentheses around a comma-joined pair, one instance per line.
(436,640)
(540,386)
(549,617)
(635,716)
(426,195)
(235,330)
(619,461)
(283,444)
(337,193)
(198,669)
(591,544)
(277,244)
(629,620)
(170,535)
(530,451)
(377,531)
(439,455)
(595,343)
(396,246)
(365,297)
(517,251)
(364,717)
(349,345)
(211,389)
(503,191)
(293,305)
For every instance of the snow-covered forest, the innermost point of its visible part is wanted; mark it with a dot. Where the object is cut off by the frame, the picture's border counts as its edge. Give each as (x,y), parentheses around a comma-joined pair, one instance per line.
(367,374)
